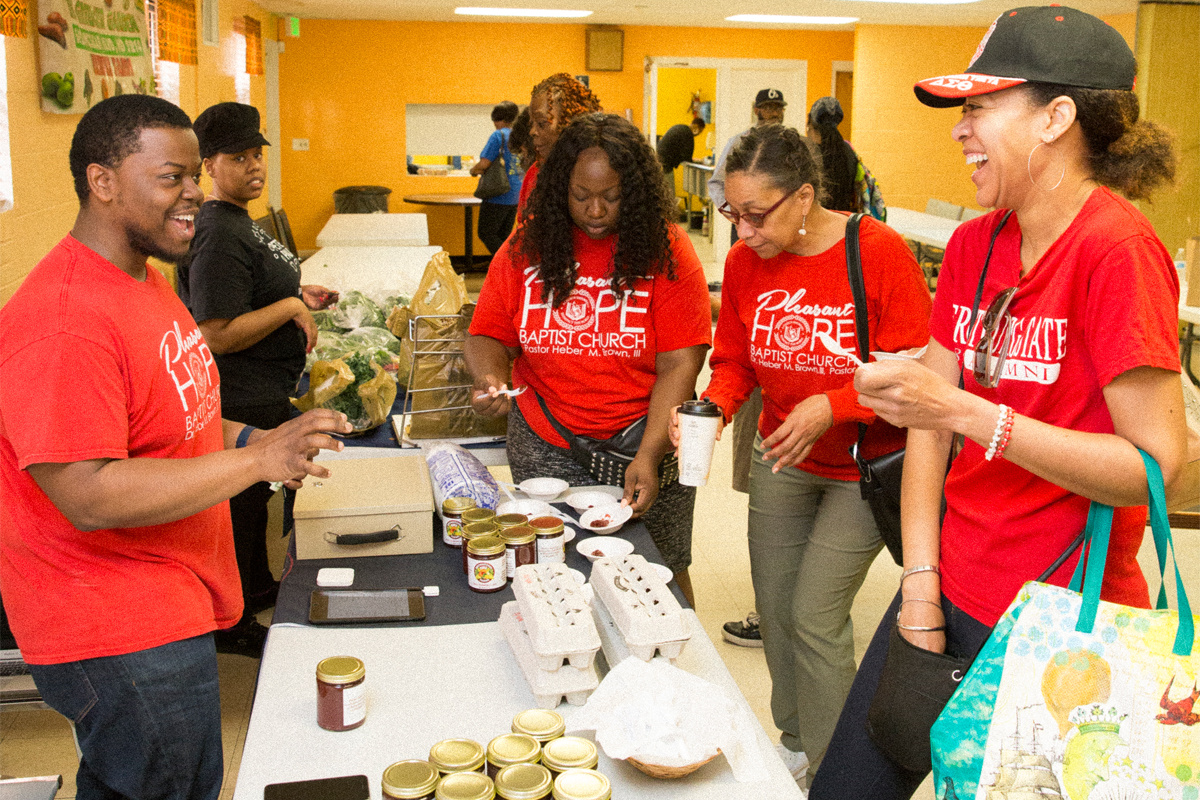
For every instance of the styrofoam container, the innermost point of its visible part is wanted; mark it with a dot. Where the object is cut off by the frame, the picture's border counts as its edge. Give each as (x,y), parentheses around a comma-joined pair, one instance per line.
(548,688)
(554,608)
(641,605)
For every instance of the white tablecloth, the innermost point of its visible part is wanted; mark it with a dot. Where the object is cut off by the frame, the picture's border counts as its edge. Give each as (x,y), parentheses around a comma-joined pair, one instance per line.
(367,269)
(368,230)
(918,226)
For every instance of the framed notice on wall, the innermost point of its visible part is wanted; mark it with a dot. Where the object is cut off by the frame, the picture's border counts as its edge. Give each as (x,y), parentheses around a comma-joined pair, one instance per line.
(89,50)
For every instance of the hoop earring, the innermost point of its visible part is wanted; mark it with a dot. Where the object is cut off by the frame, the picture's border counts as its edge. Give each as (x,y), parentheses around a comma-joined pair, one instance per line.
(1029,170)
(803,225)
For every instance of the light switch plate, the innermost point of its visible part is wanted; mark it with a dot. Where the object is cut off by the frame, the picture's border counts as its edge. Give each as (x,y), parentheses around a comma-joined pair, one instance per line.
(299,144)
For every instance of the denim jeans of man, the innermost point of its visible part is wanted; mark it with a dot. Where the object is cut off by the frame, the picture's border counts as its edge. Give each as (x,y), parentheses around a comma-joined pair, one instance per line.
(148,723)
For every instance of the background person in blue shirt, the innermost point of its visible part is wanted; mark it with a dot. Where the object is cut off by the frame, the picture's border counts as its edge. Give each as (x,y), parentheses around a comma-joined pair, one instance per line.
(497,214)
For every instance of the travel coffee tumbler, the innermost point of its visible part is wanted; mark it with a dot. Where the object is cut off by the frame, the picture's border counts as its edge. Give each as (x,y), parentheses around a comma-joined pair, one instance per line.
(698,422)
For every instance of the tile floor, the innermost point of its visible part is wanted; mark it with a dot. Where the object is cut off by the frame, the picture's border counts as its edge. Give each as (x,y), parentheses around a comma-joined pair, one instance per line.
(39,742)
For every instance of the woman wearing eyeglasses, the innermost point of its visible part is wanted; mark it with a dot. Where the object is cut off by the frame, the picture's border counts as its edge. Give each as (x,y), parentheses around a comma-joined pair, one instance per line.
(787,325)
(1070,363)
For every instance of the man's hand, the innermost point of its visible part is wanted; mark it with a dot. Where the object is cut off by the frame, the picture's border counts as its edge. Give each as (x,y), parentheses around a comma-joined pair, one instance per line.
(285,453)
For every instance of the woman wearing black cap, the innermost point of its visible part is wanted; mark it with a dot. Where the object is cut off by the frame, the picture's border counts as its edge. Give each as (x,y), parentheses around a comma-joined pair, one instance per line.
(243,288)
(1069,365)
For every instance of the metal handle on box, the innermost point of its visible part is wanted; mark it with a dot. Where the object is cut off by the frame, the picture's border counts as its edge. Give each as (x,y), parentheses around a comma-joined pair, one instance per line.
(390,535)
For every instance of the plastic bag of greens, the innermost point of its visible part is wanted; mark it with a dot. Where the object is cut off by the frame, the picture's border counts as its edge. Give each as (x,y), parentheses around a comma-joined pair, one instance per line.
(329,346)
(354,385)
(392,301)
(325,322)
(355,309)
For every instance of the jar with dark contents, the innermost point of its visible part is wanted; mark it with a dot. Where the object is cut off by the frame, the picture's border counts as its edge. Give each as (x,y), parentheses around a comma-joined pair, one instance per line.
(486,570)
(540,723)
(453,509)
(520,545)
(524,782)
(410,780)
(581,784)
(511,748)
(457,755)
(341,697)
(474,531)
(465,786)
(511,520)
(569,752)
(551,544)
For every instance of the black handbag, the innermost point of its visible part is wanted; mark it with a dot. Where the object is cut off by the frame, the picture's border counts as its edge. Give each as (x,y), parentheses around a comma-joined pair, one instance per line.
(494,180)
(606,459)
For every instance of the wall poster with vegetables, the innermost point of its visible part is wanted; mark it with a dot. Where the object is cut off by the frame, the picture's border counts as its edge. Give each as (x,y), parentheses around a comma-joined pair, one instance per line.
(89,50)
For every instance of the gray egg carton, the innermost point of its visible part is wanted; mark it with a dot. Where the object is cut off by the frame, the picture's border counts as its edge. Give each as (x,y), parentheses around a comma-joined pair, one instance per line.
(555,611)
(548,688)
(615,648)
(641,606)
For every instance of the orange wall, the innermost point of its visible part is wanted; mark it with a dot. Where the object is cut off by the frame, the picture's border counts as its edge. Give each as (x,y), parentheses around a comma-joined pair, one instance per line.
(344,85)
(44,204)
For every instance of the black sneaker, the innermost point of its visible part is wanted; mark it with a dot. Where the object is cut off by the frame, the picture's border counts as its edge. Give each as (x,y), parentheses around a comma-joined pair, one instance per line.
(744,633)
(244,639)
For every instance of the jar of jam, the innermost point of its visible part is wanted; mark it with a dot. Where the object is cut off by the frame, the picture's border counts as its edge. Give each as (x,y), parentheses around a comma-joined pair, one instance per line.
(452,519)
(478,515)
(486,570)
(474,531)
(465,786)
(341,697)
(457,755)
(540,723)
(569,752)
(512,748)
(551,544)
(510,520)
(524,782)
(582,784)
(520,545)
(410,780)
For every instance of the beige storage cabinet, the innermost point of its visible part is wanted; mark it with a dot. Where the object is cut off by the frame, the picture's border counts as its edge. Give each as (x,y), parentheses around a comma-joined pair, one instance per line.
(366,495)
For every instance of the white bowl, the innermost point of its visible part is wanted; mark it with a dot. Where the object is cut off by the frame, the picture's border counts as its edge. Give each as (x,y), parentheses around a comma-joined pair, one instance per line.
(662,571)
(590,498)
(530,508)
(605,519)
(545,489)
(607,548)
(615,492)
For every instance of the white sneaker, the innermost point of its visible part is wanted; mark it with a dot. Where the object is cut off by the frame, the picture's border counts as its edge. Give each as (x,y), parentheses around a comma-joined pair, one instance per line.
(796,763)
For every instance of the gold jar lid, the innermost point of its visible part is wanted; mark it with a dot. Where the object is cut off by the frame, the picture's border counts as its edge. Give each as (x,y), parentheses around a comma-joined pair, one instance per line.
(488,545)
(465,786)
(523,782)
(509,520)
(540,723)
(582,784)
(456,755)
(513,748)
(546,525)
(479,528)
(478,515)
(569,752)
(518,534)
(410,779)
(457,505)
(340,669)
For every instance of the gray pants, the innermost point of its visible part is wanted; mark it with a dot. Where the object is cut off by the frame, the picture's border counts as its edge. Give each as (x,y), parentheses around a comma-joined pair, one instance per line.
(812,541)
(745,430)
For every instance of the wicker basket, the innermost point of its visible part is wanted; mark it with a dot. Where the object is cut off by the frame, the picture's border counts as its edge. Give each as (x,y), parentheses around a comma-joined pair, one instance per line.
(658,771)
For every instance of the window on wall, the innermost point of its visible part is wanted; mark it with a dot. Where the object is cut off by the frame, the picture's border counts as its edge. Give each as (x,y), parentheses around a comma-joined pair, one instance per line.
(172,38)
(247,55)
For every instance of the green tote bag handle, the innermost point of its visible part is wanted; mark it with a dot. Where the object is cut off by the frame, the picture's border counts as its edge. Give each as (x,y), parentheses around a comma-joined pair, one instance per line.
(1096,535)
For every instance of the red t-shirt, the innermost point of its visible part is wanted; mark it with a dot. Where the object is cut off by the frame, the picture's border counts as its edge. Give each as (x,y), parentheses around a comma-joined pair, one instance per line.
(527,184)
(785,322)
(592,359)
(1101,301)
(96,365)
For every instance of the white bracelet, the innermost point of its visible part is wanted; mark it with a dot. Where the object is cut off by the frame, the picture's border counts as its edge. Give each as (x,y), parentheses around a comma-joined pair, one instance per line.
(914,570)
(998,433)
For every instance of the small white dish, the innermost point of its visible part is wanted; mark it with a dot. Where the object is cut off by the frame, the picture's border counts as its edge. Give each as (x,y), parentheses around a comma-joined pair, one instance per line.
(607,548)
(662,571)
(616,492)
(590,498)
(607,519)
(530,508)
(544,489)
(568,534)
(579,577)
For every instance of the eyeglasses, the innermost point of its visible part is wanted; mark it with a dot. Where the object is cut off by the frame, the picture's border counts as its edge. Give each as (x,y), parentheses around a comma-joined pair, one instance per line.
(992,349)
(755,220)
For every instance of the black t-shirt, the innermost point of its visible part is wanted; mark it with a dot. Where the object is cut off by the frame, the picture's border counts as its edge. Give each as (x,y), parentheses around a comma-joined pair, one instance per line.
(675,146)
(234,268)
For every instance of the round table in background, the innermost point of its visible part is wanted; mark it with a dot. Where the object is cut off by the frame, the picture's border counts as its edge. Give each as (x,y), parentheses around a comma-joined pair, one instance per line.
(467,201)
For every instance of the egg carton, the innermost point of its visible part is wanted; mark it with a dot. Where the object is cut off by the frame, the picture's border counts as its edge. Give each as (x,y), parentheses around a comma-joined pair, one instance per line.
(554,609)
(639,602)
(548,688)
(616,649)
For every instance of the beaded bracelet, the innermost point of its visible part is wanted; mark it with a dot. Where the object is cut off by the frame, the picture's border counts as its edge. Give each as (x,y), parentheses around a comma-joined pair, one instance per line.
(1003,429)
(1008,426)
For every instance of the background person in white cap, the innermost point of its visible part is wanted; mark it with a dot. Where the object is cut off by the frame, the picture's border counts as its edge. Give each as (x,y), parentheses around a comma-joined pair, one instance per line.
(1050,121)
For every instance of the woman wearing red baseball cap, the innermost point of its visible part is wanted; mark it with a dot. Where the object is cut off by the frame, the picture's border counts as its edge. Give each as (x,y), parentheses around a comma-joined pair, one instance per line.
(1058,311)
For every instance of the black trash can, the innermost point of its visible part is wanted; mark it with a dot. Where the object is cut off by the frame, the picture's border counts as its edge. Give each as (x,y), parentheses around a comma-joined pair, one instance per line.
(361,200)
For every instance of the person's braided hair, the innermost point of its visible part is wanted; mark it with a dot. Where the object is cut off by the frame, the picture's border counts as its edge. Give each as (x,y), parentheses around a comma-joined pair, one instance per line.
(1134,156)
(568,95)
(788,159)
(545,234)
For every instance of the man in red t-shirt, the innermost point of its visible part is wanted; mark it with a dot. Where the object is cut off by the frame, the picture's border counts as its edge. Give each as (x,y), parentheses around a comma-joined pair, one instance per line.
(116,549)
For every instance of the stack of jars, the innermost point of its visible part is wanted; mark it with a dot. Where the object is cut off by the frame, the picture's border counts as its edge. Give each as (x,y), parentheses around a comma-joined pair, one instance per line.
(494,546)
(534,762)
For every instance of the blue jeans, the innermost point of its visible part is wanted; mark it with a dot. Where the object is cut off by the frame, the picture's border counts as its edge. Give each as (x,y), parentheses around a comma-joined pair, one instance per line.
(853,767)
(148,723)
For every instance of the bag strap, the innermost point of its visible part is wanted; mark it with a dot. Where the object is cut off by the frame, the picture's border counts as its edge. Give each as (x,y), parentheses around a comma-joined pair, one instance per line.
(566,434)
(1097,532)
(859,292)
